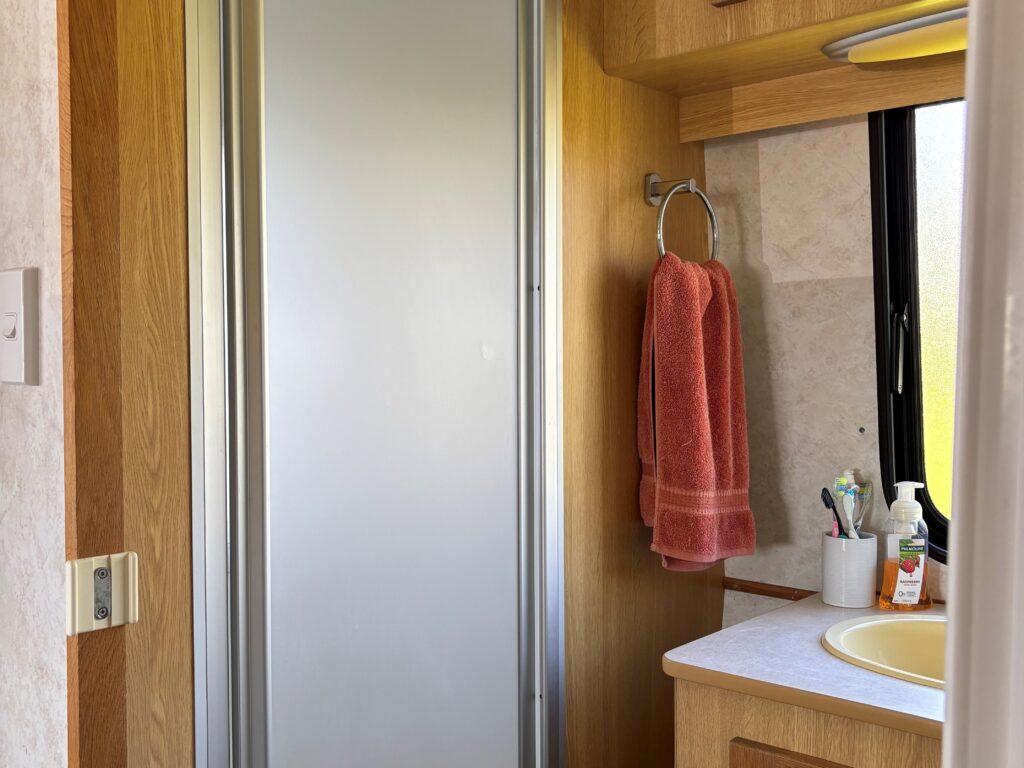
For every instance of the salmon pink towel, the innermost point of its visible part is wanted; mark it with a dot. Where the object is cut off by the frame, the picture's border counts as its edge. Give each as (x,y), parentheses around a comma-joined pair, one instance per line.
(692,421)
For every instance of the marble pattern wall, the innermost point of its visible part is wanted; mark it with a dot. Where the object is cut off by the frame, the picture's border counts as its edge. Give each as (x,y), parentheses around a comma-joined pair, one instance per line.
(33,719)
(795,213)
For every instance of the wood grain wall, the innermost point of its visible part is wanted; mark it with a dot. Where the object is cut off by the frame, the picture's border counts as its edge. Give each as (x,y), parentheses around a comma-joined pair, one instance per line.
(622,610)
(124,245)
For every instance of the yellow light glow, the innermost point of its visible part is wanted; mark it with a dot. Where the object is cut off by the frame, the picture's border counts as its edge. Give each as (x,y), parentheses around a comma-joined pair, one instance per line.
(926,41)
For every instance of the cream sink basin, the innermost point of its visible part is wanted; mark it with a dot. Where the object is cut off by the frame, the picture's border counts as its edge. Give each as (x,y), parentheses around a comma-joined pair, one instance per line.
(908,646)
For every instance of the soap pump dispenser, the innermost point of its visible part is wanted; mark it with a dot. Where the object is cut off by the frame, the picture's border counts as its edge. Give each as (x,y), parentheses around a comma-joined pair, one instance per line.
(905,575)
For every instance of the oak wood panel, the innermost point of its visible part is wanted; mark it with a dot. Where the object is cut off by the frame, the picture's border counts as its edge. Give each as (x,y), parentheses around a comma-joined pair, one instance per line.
(841,92)
(751,754)
(122,151)
(91,306)
(798,697)
(709,718)
(687,48)
(155,378)
(623,611)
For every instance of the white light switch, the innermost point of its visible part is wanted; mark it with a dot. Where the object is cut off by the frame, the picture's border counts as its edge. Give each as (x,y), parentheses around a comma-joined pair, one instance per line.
(19,326)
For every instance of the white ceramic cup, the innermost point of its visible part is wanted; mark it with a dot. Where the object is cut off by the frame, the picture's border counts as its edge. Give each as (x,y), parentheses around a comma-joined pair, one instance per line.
(848,571)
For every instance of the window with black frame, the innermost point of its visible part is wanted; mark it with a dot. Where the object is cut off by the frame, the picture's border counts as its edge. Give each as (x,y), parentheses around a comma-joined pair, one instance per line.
(917,156)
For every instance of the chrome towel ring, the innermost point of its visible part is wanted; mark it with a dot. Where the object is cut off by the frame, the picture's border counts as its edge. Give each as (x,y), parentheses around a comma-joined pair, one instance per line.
(654,197)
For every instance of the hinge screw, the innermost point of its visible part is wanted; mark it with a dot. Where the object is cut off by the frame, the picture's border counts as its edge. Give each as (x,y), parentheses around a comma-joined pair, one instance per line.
(102,573)
(102,612)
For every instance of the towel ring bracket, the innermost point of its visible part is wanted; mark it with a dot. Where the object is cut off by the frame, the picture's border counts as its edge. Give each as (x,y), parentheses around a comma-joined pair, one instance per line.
(655,197)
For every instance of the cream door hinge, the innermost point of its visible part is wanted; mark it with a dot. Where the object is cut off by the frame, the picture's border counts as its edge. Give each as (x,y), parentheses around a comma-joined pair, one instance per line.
(102,592)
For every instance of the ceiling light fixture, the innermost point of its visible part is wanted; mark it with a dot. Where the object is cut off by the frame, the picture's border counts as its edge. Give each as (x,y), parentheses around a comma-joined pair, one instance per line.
(924,36)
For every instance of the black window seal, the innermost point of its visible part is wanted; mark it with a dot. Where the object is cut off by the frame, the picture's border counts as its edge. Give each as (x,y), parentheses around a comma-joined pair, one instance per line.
(894,227)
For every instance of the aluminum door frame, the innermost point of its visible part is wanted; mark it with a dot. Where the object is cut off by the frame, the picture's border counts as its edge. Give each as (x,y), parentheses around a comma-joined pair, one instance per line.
(224,81)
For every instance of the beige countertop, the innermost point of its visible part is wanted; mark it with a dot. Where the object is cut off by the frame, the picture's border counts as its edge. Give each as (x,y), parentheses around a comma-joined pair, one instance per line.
(779,656)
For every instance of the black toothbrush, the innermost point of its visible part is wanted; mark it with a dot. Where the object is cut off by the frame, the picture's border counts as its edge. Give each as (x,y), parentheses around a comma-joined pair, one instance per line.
(830,504)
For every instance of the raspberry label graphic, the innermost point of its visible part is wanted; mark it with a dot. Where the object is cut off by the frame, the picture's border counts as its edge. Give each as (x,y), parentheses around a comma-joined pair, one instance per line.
(910,557)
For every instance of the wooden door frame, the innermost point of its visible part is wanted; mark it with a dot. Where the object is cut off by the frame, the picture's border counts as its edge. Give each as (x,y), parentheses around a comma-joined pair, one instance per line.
(126,369)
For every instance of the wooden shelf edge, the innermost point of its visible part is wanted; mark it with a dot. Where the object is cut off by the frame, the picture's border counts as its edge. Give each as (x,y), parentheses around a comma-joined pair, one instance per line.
(778,591)
(766,590)
(822,95)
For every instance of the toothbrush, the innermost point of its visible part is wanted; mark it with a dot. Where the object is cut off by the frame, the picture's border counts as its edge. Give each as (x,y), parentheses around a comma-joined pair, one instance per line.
(863,502)
(830,504)
(849,502)
(859,495)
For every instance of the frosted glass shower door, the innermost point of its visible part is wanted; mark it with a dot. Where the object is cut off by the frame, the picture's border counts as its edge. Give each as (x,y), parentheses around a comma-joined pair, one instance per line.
(391,382)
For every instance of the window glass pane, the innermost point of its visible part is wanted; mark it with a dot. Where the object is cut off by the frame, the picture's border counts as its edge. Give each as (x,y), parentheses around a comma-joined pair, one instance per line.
(940,176)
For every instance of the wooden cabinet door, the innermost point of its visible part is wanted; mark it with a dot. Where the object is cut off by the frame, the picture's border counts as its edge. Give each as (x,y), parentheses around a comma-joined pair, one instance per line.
(752,754)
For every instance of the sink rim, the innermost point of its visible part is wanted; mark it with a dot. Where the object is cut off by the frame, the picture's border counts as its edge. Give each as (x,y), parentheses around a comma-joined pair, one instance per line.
(831,641)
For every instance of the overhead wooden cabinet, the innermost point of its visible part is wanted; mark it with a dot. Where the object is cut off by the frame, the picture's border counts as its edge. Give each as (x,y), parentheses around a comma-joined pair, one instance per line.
(758,64)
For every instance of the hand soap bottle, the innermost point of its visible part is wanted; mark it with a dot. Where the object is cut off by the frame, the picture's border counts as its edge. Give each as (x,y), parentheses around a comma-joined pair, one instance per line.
(905,574)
